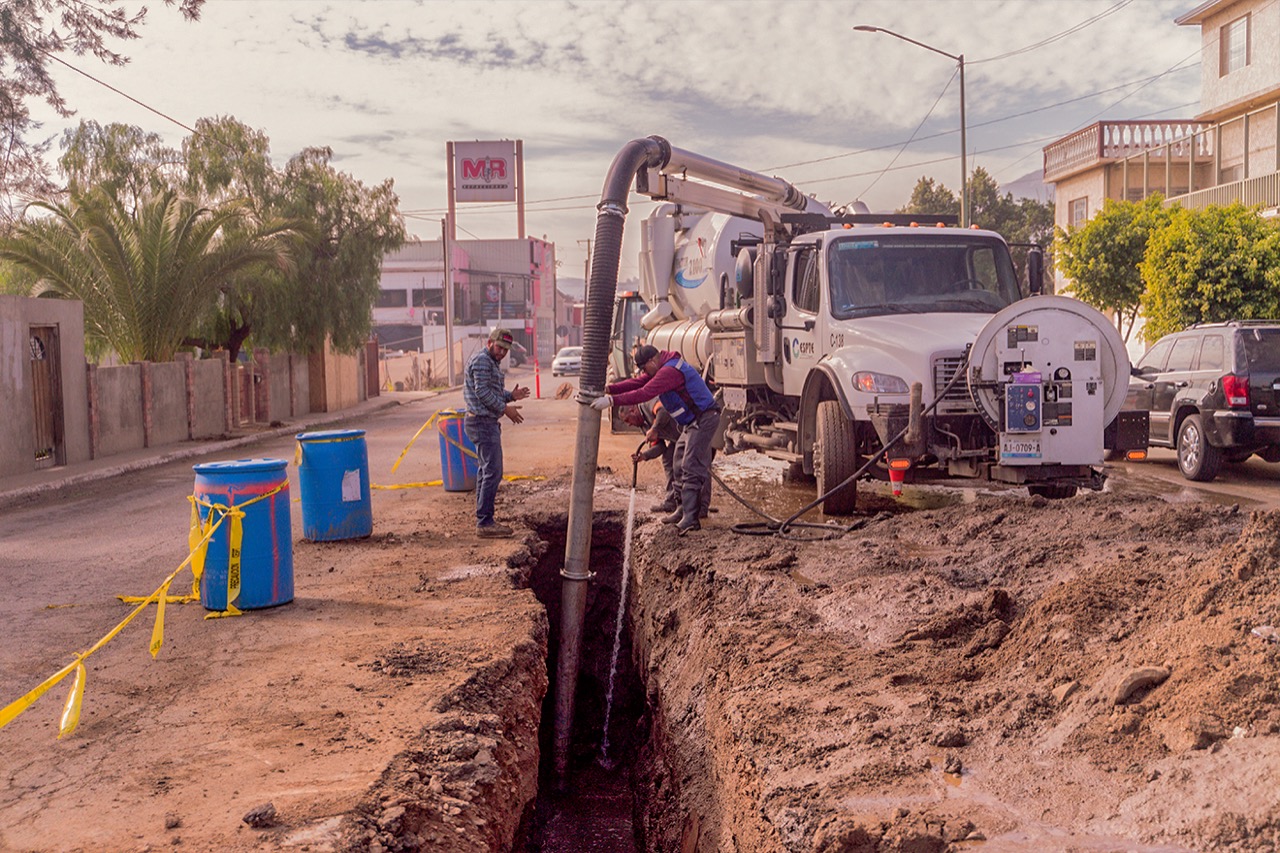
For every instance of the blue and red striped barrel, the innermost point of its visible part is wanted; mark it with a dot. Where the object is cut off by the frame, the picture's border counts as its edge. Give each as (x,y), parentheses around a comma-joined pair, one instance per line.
(266,545)
(457,453)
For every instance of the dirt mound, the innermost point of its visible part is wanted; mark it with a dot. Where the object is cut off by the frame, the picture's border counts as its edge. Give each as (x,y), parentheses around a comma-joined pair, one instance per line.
(1036,674)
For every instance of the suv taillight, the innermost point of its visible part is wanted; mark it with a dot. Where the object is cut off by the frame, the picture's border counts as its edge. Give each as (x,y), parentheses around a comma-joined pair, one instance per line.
(1236,390)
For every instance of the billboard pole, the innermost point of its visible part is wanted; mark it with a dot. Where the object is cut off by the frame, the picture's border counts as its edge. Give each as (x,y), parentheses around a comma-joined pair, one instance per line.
(520,187)
(446,254)
(453,234)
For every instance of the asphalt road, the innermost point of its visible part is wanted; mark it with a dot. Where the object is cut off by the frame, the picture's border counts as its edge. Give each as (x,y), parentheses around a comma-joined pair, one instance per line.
(1254,484)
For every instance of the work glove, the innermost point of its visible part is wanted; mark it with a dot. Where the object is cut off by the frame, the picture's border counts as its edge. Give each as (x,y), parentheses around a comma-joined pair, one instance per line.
(602,403)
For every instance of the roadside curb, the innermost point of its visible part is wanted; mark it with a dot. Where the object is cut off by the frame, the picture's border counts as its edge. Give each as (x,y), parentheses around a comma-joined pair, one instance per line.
(53,487)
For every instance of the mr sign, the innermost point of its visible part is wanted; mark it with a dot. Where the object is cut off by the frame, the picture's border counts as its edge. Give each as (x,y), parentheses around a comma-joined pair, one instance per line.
(486,171)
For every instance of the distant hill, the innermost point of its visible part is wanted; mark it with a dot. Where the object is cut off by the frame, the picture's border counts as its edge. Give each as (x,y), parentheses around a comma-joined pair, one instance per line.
(1030,185)
(574,287)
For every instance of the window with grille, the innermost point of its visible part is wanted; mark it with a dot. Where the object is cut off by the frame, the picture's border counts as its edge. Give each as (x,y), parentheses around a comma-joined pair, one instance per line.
(1234,46)
(1078,212)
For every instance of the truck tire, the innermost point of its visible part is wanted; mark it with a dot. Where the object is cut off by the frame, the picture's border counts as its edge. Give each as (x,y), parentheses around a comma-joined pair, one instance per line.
(1197,458)
(835,457)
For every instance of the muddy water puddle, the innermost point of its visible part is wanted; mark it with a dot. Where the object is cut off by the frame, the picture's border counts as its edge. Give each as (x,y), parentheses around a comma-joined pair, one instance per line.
(761,483)
(593,816)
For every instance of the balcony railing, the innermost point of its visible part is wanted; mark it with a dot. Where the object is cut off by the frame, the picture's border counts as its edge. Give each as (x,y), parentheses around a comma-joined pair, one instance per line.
(1107,141)
(1263,190)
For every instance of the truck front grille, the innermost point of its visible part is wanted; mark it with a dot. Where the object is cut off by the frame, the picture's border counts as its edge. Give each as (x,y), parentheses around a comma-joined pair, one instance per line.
(957,399)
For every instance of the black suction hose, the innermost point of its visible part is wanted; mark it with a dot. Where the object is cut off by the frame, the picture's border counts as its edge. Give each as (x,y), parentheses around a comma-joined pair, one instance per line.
(597,318)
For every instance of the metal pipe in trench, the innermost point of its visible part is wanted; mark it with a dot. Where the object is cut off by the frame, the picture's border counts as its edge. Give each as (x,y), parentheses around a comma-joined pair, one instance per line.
(652,152)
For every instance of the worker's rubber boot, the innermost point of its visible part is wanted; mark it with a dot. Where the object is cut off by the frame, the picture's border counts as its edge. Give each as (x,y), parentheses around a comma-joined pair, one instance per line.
(689,500)
(674,517)
(667,506)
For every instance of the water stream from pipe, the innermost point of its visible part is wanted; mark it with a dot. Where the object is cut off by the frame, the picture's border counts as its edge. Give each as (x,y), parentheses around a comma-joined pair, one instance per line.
(605,761)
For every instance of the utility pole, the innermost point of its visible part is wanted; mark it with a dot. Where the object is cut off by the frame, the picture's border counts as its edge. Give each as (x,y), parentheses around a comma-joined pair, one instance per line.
(446,255)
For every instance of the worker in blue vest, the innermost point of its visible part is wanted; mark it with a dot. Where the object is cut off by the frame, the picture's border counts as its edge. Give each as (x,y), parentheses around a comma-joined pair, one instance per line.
(690,402)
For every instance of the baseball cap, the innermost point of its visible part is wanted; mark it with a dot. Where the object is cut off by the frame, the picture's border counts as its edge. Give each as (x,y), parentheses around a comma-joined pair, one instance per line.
(643,353)
(502,338)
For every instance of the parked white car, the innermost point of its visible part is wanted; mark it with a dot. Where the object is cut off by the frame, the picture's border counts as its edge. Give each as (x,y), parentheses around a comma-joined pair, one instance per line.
(567,362)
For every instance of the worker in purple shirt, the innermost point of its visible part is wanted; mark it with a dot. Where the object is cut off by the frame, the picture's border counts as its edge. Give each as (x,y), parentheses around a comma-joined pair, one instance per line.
(688,400)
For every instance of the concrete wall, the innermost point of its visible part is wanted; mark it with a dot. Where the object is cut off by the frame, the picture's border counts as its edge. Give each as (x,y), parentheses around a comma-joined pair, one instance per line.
(208,398)
(337,380)
(168,411)
(301,386)
(118,409)
(17,426)
(279,382)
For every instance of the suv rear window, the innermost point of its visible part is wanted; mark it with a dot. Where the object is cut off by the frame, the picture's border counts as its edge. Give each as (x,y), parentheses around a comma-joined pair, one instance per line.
(1261,347)
(1212,353)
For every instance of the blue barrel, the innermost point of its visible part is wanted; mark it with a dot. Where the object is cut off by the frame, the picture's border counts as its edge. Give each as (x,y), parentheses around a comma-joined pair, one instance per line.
(334,478)
(266,543)
(457,453)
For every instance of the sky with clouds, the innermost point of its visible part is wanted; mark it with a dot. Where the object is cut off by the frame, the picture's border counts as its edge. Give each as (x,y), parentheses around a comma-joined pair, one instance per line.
(785,87)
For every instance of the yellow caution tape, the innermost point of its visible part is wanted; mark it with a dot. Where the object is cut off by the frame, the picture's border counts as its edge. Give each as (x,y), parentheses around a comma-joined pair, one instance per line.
(508,477)
(400,458)
(408,485)
(71,711)
(157,630)
(202,531)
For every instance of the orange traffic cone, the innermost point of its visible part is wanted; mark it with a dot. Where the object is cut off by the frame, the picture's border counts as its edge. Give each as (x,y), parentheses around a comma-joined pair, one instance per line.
(895,479)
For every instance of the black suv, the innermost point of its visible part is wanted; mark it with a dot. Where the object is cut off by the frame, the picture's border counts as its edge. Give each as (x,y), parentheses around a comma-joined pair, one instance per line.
(1213,393)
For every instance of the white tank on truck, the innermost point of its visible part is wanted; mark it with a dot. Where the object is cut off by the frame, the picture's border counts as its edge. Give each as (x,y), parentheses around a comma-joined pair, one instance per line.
(839,337)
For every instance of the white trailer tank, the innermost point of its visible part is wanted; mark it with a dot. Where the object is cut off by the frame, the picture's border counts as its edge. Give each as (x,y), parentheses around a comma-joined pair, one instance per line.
(687,262)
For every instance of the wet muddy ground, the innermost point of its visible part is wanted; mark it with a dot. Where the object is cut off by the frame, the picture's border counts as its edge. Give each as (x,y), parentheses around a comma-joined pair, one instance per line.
(971,669)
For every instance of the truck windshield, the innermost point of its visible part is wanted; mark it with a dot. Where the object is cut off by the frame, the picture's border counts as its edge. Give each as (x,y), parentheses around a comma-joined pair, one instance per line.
(919,273)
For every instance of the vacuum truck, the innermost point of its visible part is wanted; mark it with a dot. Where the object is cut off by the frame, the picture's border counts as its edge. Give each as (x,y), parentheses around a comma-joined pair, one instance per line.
(836,336)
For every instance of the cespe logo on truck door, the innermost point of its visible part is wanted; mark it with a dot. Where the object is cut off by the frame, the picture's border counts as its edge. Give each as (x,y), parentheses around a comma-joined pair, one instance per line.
(485,171)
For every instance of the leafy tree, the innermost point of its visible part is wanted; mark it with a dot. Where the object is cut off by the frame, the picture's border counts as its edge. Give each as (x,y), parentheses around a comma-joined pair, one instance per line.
(123,160)
(32,34)
(344,228)
(1024,221)
(928,197)
(144,275)
(352,227)
(16,280)
(227,160)
(1020,221)
(1214,264)
(1103,256)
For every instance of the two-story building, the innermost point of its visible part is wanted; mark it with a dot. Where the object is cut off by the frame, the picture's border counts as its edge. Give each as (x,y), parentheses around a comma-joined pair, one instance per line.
(1226,153)
(510,283)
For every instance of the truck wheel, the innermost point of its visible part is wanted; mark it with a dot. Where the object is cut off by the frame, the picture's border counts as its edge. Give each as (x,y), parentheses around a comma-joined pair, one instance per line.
(1197,459)
(835,457)
(1053,491)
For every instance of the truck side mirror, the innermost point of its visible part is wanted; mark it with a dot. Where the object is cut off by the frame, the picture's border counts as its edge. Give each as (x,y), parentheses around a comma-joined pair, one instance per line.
(1035,270)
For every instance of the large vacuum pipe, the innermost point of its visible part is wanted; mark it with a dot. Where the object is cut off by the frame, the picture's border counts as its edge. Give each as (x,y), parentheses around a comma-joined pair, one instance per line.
(597,319)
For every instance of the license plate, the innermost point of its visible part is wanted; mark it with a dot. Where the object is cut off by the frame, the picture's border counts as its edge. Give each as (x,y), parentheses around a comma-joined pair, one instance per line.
(1020,448)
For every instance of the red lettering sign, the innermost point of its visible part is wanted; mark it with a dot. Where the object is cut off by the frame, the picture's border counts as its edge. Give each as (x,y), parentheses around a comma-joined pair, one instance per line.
(484,168)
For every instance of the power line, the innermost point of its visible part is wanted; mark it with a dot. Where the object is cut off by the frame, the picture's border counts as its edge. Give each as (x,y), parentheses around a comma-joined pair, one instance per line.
(898,154)
(118,92)
(1088,22)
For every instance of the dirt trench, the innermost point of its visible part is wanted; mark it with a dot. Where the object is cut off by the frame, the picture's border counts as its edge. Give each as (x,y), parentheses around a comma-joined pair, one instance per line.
(1006,673)
(1000,673)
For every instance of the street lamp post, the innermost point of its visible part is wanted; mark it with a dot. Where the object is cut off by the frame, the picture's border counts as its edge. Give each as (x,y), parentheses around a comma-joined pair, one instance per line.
(964,171)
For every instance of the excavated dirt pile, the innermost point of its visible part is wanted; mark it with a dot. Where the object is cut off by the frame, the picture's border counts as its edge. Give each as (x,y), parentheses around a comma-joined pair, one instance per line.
(1003,674)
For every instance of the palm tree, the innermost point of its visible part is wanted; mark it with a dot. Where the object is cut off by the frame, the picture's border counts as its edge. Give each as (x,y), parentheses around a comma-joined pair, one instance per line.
(147,275)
